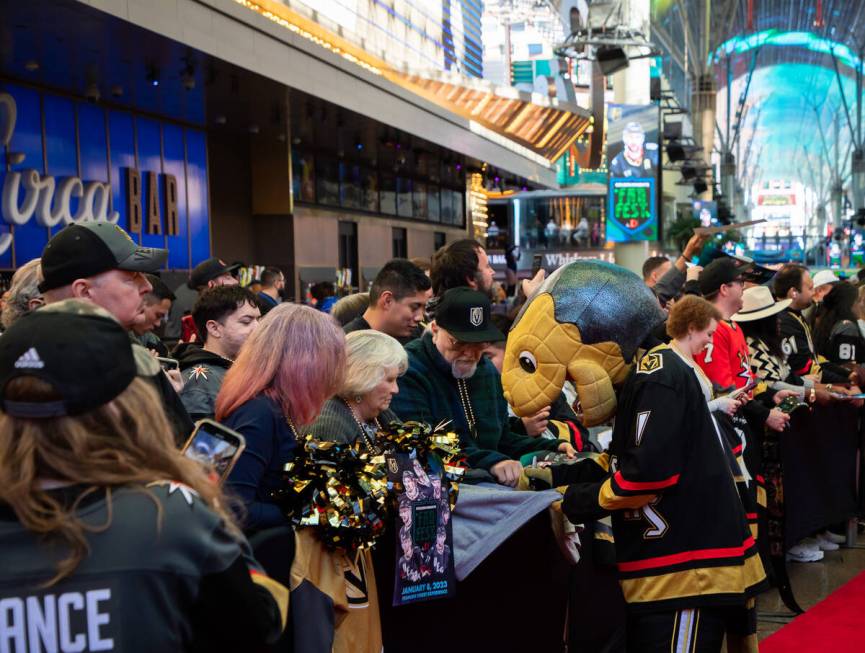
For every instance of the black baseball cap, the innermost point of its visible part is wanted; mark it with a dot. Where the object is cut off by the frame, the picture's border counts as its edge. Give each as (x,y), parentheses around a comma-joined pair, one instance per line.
(87,358)
(465,314)
(87,249)
(723,270)
(209,270)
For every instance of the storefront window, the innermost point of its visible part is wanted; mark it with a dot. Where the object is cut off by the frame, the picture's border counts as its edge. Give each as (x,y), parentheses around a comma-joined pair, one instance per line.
(567,222)
(369,190)
(303,176)
(327,181)
(350,186)
(404,202)
(433,203)
(459,209)
(447,206)
(387,196)
(404,182)
(420,206)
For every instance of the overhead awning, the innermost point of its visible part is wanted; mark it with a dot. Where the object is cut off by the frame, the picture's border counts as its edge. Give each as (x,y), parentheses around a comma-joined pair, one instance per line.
(546,126)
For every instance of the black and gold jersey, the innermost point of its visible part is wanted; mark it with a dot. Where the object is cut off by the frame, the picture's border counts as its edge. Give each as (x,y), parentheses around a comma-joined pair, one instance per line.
(682,537)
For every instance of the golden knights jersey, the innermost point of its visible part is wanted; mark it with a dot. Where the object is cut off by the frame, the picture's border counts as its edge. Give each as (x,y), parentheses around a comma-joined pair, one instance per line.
(682,539)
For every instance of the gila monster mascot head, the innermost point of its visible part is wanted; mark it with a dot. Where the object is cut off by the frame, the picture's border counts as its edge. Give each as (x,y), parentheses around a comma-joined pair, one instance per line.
(584,324)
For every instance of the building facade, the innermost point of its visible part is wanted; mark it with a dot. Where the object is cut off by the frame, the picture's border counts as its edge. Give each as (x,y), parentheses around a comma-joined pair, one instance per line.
(324,138)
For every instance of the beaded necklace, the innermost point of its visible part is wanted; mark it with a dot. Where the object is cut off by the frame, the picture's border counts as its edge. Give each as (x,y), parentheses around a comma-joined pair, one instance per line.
(360,425)
(462,387)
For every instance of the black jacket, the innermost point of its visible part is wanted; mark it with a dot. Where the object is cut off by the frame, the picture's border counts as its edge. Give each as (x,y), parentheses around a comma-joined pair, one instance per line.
(162,573)
(798,345)
(203,373)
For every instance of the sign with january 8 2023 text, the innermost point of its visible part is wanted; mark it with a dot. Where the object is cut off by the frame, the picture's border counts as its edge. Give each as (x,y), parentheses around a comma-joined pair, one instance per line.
(70,161)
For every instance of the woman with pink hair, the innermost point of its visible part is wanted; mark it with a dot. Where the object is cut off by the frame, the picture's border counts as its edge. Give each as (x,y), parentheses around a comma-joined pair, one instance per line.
(291,364)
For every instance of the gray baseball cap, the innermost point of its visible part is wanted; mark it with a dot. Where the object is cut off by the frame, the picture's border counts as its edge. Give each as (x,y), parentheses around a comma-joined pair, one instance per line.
(84,250)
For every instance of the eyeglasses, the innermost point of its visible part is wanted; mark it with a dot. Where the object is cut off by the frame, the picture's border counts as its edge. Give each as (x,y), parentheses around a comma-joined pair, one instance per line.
(459,346)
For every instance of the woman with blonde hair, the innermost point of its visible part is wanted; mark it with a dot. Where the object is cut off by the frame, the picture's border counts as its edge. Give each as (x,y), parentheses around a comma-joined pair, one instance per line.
(374,361)
(111,539)
(276,387)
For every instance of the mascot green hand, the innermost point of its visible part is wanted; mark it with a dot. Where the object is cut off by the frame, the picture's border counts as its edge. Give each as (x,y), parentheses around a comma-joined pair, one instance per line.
(585,324)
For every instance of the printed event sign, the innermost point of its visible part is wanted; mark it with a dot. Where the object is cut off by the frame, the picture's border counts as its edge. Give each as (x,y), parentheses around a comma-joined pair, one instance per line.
(424,547)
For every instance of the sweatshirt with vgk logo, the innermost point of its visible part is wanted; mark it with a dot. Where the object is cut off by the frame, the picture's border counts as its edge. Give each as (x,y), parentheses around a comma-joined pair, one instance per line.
(165,575)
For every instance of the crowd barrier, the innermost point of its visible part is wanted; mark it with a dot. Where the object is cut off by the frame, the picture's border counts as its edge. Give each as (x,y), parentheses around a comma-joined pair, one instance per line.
(509,602)
(819,453)
(525,596)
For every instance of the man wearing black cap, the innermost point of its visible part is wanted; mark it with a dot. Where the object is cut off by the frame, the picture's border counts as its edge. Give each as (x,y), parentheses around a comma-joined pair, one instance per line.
(450,379)
(99,262)
(208,274)
(725,360)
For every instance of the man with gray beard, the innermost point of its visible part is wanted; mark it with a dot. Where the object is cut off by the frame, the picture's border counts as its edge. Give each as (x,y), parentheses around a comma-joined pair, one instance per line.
(450,379)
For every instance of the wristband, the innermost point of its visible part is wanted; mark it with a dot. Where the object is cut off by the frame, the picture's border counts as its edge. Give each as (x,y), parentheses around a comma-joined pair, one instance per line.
(813,396)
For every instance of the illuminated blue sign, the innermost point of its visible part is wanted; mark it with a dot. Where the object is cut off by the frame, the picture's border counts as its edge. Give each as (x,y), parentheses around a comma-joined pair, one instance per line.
(69,161)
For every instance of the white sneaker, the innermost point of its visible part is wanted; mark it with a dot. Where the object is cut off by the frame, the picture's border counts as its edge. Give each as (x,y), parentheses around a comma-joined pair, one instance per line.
(810,543)
(834,537)
(826,544)
(799,553)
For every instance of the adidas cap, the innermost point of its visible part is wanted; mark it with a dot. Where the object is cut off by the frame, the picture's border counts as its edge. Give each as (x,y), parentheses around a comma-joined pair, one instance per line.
(86,358)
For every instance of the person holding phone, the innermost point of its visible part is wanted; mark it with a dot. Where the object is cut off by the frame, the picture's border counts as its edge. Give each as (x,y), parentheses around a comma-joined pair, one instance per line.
(275,389)
(103,522)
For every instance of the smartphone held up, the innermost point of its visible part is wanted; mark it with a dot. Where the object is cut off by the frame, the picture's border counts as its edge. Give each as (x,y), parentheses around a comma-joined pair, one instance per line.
(215,446)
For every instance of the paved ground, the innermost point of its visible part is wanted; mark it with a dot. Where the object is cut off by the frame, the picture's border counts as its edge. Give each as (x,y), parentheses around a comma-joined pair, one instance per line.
(812,582)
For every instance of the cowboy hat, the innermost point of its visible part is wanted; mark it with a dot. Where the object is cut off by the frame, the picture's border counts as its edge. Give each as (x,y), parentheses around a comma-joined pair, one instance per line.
(757,303)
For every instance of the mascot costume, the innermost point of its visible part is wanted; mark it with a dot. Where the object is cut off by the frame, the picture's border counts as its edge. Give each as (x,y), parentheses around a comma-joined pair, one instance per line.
(584,324)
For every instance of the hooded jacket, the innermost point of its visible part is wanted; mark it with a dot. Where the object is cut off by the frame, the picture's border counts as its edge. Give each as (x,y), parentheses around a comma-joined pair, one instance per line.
(203,372)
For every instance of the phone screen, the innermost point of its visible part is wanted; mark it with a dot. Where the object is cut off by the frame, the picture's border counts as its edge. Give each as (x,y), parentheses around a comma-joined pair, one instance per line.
(537,263)
(215,446)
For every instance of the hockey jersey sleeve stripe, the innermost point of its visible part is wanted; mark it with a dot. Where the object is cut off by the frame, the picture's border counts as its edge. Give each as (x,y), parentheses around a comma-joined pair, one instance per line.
(687,556)
(578,439)
(647,486)
(609,499)
(805,369)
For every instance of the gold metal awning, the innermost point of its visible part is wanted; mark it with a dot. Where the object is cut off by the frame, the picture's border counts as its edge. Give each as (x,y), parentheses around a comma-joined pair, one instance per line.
(544,125)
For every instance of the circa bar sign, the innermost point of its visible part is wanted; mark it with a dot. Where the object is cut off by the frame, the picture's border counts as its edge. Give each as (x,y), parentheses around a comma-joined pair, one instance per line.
(27,194)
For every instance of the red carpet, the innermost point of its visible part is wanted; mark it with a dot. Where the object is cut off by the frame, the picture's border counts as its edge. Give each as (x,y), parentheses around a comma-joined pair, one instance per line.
(835,624)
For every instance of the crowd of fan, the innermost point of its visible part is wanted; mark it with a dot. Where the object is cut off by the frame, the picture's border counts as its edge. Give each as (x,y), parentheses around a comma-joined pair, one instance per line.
(792,333)
(274,370)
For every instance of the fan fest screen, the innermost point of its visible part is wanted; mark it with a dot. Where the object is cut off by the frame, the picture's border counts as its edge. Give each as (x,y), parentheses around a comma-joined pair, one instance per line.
(633,160)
